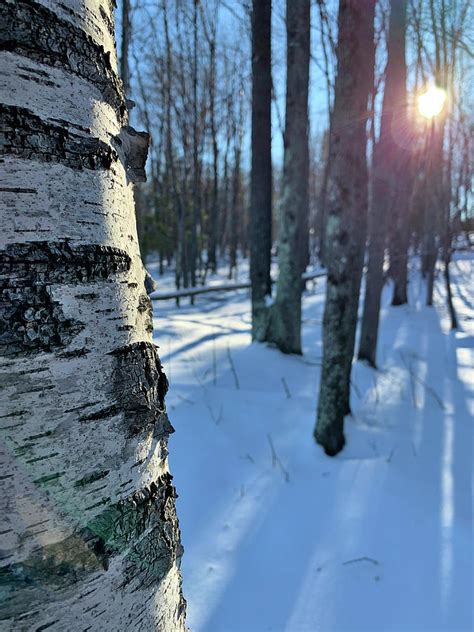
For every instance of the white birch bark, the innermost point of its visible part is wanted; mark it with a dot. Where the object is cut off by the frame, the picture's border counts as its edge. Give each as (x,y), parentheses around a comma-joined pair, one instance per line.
(89,534)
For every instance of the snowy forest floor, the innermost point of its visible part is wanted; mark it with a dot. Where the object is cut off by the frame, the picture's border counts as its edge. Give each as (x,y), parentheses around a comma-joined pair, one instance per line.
(278,536)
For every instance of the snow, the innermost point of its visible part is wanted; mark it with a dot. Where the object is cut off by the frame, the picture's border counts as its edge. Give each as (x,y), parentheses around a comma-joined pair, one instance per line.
(278,536)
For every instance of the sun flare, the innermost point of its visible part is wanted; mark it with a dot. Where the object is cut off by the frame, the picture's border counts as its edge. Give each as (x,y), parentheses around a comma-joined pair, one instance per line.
(431,102)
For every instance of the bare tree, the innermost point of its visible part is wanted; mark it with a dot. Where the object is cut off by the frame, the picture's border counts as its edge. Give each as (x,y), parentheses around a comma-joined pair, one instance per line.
(390,191)
(347,214)
(285,317)
(261,174)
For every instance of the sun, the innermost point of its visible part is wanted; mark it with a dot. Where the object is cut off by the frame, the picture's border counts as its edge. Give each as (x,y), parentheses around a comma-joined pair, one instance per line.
(431,102)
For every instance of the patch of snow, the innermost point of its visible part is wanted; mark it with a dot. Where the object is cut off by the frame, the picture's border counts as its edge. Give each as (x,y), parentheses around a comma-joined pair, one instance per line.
(278,536)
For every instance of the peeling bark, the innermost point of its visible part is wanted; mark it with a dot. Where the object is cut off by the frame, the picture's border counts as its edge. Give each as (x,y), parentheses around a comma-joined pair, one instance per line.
(133,147)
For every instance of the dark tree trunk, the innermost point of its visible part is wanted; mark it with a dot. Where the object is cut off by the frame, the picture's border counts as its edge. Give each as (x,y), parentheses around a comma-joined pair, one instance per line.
(321,217)
(194,252)
(389,193)
(401,209)
(347,214)
(214,215)
(125,45)
(261,169)
(435,196)
(285,314)
(234,217)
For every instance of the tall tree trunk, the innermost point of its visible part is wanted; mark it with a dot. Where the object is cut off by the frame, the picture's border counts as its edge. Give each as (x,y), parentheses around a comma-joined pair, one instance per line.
(234,218)
(389,193)
(321,216)
(401,187)
(125,45)
(433,209)
(90,536)
(193,238)
(347,214)
(285,317)
(261,176)
(214,215)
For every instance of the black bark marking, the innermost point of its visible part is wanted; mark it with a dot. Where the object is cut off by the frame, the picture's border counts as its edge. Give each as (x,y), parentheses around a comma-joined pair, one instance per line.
(91,478)
(30,321)
(145,307)
(31,29)
(140,386)
(14,189)
(25,135)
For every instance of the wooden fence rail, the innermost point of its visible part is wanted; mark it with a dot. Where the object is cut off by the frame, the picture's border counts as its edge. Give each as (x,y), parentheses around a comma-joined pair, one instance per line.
(225,287)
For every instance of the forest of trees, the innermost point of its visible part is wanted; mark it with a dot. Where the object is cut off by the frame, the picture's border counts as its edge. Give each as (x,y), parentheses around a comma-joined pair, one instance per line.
(307,136)
(208,90)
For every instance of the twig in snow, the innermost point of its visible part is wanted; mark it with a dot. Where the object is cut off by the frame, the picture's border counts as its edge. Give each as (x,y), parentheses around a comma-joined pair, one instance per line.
(214,361)
(232,366)
(413,448)
(361,559)
(430,390)
(356,389)
(376,390)
(412,380)
(184,399)
(285,386)
(276,460)
(198,379)
(168,364)
(373,445)
(217,420)
(413,387)
(389,458)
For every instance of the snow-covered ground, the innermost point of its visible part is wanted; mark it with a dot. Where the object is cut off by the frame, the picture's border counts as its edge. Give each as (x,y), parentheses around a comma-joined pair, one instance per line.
(278,536)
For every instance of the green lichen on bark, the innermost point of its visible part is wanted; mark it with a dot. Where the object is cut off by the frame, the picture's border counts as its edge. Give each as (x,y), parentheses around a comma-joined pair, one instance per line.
(142,528)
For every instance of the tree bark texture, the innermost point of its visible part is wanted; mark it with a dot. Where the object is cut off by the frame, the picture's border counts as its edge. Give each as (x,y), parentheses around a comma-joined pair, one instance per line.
(285,314)
(261,175)
(401,208)
(214,214)
(435,196)
(90,536)
(389,186)
(125,45)
(346,215)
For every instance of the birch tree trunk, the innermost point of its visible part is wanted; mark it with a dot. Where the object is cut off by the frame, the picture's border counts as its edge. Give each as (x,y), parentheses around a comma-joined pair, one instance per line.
(347,215)
(285,317)
(389,194)
(261,177)
(90,536)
